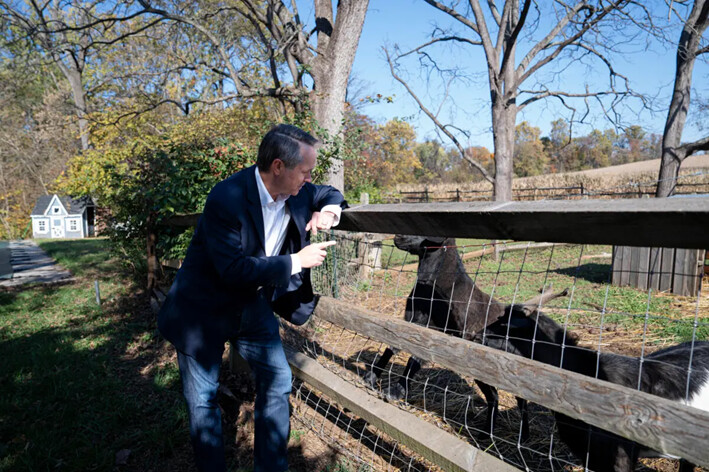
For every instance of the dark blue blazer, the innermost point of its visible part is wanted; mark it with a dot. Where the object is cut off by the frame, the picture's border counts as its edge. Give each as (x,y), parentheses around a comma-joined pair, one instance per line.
(227,286)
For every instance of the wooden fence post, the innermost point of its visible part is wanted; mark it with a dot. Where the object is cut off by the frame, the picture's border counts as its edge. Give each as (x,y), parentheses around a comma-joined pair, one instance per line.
(151,252)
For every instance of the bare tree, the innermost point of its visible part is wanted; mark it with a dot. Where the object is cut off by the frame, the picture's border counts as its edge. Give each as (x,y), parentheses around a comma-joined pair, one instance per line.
(691,45)
(67,34)
(324,54)
(574,33)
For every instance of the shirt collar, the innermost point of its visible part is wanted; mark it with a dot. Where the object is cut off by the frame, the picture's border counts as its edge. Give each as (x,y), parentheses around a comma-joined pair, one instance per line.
(265,196)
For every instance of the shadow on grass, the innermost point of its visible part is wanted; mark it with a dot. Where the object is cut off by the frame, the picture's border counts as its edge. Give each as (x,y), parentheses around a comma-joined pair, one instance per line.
(76,394)
(92,386)
(592,272)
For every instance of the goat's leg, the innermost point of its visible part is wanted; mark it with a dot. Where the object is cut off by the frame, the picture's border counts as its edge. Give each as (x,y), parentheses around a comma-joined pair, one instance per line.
(400,389)
(524,413)
(375,373)
(492,400)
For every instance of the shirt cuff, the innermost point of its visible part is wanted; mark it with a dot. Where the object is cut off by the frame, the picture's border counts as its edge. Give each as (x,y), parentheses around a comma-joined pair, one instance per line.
(335,210)
(295,264)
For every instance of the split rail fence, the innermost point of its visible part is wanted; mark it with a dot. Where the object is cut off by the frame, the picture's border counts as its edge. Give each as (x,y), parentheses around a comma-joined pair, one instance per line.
(663,425)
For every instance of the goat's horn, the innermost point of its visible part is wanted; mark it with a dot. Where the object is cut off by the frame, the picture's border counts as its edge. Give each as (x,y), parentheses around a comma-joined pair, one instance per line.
(540,300)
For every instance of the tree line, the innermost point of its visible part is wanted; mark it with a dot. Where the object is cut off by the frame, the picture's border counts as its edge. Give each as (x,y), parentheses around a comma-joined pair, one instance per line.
(386,155)
(112,99)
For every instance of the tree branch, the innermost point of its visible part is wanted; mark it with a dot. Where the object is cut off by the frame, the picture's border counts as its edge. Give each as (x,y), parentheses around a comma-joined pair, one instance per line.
(438,124)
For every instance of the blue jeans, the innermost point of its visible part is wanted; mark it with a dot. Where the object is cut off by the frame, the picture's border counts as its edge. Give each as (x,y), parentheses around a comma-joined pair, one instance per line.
(271,409)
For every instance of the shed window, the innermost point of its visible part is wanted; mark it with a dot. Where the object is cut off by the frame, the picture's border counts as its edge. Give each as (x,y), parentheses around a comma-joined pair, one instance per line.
(55,210)
(41,226)
(73,225)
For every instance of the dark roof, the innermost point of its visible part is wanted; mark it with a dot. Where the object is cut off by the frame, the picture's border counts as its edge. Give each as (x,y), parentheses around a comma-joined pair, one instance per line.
(73,206)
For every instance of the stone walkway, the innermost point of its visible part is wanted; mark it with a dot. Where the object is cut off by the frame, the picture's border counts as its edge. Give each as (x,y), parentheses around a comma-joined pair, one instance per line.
(30,264)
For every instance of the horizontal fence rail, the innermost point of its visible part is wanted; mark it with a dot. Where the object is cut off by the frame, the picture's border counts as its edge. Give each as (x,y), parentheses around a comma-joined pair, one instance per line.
(445,450)
(661,424)
(670,222)
(658,423)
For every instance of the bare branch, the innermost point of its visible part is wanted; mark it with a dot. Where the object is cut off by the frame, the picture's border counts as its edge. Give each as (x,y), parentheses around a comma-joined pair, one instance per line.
(691,148)
(440,40)
(454,14)
(439,125)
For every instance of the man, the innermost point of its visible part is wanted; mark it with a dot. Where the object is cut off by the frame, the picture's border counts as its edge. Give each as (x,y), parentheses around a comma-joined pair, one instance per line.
(250,257)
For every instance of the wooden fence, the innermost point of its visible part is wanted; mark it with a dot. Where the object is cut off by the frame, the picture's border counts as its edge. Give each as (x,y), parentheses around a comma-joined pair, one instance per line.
(677,271)
(661,424)
(540,193)
(655,422)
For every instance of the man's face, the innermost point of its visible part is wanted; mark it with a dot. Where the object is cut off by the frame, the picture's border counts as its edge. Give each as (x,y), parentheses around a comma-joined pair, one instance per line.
(292,180)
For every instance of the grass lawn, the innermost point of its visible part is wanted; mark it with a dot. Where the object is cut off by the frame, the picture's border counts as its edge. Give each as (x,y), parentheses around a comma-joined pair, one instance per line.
(84,387)
(82,383)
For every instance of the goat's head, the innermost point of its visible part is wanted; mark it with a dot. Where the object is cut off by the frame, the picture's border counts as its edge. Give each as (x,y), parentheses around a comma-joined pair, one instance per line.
(420,245)
(517,327)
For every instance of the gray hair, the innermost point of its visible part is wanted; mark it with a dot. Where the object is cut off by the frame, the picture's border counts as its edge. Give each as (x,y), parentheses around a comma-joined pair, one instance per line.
(283,142)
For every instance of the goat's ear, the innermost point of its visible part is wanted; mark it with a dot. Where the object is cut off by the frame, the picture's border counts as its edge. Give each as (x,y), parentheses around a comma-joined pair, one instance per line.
(520,322)
(432,241)
(515,321)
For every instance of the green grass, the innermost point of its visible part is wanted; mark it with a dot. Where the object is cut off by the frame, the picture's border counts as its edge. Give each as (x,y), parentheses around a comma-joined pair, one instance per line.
(80,382)
(82,257)
(516,276)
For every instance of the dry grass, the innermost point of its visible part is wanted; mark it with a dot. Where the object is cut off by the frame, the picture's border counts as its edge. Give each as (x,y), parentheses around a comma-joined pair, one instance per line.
(692,180)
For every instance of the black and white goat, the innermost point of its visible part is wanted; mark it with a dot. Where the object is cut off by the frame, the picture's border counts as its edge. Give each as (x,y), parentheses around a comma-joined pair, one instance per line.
(663,373)
(445,299)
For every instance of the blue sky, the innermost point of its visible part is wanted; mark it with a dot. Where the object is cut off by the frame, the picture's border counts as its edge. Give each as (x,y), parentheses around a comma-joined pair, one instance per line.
(410,22)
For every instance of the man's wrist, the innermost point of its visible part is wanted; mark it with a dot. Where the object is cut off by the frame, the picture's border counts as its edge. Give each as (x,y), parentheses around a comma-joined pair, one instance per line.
(336,210)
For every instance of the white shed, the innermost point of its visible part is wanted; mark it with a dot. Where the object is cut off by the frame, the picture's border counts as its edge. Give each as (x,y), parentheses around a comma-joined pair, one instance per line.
(63,217)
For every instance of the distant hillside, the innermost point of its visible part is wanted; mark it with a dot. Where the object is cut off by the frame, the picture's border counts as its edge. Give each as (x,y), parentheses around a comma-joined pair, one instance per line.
(653,165)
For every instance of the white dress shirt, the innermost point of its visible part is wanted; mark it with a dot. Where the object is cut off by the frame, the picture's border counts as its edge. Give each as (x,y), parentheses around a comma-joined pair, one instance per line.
(276,217)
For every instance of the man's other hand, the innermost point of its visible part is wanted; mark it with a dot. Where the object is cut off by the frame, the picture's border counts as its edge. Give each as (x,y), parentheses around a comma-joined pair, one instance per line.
(320,220)
(314,254)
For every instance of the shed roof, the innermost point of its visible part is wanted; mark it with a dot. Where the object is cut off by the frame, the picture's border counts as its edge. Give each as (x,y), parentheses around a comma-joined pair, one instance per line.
(73,206)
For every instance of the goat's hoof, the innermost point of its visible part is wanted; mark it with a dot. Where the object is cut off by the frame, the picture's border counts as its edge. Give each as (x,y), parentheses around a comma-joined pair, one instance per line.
(370,379)
(395,392)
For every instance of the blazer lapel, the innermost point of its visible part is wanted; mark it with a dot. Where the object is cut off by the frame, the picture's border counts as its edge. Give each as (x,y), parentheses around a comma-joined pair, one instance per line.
(254,206)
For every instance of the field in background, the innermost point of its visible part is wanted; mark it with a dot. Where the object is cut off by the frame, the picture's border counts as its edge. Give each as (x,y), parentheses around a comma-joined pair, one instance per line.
(623,181)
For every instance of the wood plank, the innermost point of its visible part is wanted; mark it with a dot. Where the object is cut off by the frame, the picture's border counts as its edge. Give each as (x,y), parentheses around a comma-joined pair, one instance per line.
(668,265)
(625,262)
(642,275)
(616,264)
(688,272)
(680,281)
(634,266)
(661,424)
(655,268)
(441,448)
(668,222)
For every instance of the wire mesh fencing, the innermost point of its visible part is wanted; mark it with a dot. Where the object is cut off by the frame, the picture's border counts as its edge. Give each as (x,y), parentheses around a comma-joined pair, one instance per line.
(471,289)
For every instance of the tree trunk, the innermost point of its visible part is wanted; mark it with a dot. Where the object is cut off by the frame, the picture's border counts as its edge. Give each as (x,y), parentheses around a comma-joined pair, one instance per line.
(503,135)
(73,76)
(672,152)
(331,69)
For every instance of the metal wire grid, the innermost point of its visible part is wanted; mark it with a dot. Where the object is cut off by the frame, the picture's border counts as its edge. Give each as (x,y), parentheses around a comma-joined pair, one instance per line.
(352,436)
(375,275)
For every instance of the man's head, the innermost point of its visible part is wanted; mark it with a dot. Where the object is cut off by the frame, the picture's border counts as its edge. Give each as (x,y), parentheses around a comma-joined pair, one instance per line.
(288,155)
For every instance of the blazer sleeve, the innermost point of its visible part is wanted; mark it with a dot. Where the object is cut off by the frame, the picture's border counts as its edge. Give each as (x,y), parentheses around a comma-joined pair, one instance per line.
(324,195)
(221,227)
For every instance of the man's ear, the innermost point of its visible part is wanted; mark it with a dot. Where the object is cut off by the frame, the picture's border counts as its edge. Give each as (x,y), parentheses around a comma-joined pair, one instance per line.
(277,166)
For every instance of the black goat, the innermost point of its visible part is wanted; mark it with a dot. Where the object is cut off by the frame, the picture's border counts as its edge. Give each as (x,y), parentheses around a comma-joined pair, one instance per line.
(445,299)
(663,373)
